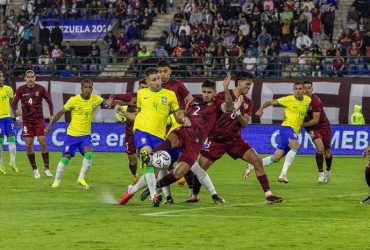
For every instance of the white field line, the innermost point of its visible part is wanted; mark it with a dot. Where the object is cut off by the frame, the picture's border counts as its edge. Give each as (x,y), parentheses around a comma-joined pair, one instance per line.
(171,212)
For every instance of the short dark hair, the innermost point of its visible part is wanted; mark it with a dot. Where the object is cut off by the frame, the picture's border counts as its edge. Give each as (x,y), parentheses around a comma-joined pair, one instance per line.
(299,82)
(163,63)
(142,81)
(150,71)
(86,81)
(242,76)
(209,84)
(308,82)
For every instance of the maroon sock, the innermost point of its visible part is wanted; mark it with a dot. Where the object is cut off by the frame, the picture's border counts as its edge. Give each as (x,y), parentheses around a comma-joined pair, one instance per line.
(189,177)
(32,160)
(133,168)
(328,162)
(264,181)
(197,185)
(167,180)
(320,161)
(166,146)
(367,175)
(45,158)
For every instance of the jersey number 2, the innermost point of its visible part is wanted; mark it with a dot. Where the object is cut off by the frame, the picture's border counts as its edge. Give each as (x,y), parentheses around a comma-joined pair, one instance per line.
(197,108)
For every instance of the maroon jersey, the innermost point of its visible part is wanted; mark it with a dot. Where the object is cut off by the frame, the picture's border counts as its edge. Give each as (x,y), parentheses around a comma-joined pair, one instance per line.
(203,117)
(227,126)
(131,108)
(31,100)
(180,90)
(316,106)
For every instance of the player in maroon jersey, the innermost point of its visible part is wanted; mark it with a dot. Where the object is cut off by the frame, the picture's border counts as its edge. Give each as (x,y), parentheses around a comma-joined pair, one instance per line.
(31,96)
(317,126)
(226,138)
(130,99)
(203,114)
(183,97)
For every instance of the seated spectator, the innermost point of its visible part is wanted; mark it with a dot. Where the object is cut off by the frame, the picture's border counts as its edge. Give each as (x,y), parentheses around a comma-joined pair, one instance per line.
(263,39)
(345,41)
(189,7)
(159,51)
(328,20)
(196,15)
(56,35)
(302,24)
(94,54)
(44,35)
(179,16)
(174,27)
(133,32)
(208,62)
(274,28)
(197,64)
(228,39)
(285,32)
(185,41)
(316,30)
(262,64)
(185,27)
(358,39)
(208,17)
(30,54)
(104,53)
(354,54)
(287,14)
(250,63)
(28,34)
(304,63)
(247,6)
(45,55)
(171,42)
(67,72)
(350,24)
(303,43)
(244,27)
(316,61)
(178,51)
(338,65)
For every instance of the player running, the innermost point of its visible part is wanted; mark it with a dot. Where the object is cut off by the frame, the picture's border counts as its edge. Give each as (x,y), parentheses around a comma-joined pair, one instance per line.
(226,138)
(31,95)
(82,107)
(155,104)
(7,125)
(365,154)
(295,109)
(317,126)
(130,99)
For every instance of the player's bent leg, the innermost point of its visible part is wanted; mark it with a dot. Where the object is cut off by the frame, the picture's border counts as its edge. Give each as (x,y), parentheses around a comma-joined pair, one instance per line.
(294,146)
(45,155)
(60,170)
(132,158)
(328,161)
(2,168)
(320,159)
(31,156)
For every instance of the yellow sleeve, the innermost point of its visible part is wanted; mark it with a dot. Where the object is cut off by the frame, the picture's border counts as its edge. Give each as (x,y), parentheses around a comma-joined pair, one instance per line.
(138,99)
(174,103)
(284,101)
(99,100)
(69,105)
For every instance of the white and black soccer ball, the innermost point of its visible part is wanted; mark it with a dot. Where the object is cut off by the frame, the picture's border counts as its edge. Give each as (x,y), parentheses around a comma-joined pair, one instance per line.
(161,159)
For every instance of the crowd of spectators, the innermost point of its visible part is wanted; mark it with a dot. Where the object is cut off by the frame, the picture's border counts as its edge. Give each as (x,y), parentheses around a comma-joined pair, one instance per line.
(210,37)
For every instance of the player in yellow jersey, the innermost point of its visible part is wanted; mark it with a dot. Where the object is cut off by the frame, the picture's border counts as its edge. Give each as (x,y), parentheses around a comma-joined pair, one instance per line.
(6,124)
(82,108)
(295,109)
(155,104)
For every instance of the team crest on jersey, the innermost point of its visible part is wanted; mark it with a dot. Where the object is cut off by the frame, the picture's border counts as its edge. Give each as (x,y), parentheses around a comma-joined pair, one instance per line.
(36,93)
(164,99)
(7,93)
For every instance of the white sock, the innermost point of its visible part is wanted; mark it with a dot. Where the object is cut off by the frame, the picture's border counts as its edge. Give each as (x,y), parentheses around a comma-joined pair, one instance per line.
(150,180)
(60,171)
(203,178)
(268,160)
(138,186)
(1,154)
(166,190)
(85,167)
(12,152)
(288,161)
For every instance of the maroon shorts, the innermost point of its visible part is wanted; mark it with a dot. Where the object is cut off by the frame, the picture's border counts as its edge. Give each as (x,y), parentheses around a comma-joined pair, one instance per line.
(130,144)
(235,148)
(324,134)
(31,130)
(190,149)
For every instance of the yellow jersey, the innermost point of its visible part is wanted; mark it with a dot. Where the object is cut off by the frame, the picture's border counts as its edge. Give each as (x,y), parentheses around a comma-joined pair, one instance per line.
(6,94)
(82,114)
(294,111)
(154,109)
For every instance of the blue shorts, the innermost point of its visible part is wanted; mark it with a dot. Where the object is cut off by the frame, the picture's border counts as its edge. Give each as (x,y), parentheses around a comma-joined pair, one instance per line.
(7,126)
(174,153)
(72,143)
(286,134)
(145,139)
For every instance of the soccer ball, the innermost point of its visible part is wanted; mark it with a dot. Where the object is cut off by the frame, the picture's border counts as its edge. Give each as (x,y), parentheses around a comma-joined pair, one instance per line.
(161,160)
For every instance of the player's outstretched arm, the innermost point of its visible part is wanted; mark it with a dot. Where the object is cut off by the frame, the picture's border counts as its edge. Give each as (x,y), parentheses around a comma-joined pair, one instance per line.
(229,106)
(265,105)
(243,119)
(50,104)
(55,119)
(315,119)
(130,116)
(181,118)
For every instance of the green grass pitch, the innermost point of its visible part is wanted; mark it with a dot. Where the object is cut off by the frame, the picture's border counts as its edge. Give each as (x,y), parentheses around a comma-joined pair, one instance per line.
(313,216)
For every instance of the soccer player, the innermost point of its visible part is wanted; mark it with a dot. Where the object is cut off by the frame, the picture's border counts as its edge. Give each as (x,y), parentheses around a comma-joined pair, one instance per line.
(31,95)
(226,138)
(203,115)
(155,104)
(295,109)
(365,154)
(130,99)
(184,97)
(6,124)
(82,107)
(317,126)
